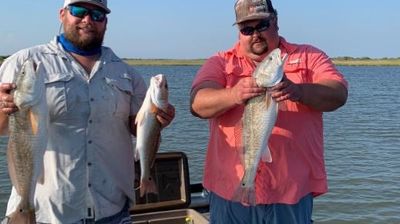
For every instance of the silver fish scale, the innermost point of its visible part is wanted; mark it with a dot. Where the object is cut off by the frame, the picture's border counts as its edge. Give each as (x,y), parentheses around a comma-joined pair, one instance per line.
(253,133)
(255,107)
(21,140)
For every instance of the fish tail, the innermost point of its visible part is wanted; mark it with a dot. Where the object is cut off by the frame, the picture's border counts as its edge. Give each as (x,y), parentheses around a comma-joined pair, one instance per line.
(266,155)
(147,186)
(245,194)
(22,216)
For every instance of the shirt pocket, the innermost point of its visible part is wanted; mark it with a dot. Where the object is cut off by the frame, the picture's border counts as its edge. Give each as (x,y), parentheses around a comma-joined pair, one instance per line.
(56,93)
(121,92)
(297,73)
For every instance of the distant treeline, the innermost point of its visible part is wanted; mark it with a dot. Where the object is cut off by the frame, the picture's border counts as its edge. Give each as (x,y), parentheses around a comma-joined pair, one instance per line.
(345,61)
(366,61)
(348,58)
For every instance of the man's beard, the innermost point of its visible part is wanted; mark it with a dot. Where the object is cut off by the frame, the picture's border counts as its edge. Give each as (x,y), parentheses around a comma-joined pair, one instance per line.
(86,44)
(259,50)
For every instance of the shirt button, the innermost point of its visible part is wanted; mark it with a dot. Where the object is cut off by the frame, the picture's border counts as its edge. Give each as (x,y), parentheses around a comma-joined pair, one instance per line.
(90,141)
(92,99)
(90,121)
(89,185)
(89,164)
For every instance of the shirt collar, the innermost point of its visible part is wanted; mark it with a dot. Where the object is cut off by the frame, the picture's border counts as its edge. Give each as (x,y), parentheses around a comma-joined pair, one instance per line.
(286,47)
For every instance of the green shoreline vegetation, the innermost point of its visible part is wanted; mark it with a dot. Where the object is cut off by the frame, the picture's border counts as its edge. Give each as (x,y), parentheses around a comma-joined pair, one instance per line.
(340,61)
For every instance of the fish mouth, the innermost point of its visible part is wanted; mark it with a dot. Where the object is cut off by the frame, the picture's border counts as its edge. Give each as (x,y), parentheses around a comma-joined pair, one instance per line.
(160,81)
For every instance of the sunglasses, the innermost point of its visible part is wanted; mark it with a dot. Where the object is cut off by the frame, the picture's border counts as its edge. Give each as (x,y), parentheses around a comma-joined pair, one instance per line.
(81,12)
(249,30)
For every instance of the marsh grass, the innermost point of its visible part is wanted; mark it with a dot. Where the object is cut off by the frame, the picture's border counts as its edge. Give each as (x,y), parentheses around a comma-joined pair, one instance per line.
(367,62)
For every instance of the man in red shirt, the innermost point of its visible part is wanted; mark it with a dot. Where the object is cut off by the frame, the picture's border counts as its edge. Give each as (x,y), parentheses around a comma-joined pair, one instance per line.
(312,85)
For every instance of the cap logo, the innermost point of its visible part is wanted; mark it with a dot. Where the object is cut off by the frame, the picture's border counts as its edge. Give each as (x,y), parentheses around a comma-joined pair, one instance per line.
(257,9)
(258,6)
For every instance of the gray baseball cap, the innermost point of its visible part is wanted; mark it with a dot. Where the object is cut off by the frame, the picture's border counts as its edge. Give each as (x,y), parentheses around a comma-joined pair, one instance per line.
(253,9)
(100,3)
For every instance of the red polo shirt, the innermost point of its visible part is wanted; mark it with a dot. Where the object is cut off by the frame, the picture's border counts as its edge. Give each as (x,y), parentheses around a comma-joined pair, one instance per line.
(296,142)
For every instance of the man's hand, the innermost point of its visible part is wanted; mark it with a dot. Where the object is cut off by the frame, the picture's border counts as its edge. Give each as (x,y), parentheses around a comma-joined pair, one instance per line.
(165,117)
(7,105)
(245,89)
(286,90)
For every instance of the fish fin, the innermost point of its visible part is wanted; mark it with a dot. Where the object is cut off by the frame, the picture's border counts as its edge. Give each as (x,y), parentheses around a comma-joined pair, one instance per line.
(148,186)
(22,216)
(284,58)
(245,194)
(140,117)
(136,154)
(34,122)
(268,100)
(154,109)
(266,155)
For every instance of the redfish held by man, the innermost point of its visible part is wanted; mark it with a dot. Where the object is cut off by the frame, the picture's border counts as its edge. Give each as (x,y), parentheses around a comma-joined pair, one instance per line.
(27,142)
(258,120)
(148,134)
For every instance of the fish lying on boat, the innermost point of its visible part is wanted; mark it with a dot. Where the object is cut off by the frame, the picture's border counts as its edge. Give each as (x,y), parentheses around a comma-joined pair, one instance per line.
(148,130)
(27,138)
(258,120)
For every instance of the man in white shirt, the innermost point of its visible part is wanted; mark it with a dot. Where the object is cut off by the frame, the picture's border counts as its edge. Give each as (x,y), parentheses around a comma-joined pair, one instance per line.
(93,98)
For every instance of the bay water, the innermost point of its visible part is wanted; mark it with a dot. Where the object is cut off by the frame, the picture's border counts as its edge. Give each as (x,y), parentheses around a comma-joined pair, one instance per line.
(362,145)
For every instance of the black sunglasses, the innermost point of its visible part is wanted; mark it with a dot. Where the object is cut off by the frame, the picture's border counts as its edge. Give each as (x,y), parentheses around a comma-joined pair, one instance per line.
(81,12)
(249,30)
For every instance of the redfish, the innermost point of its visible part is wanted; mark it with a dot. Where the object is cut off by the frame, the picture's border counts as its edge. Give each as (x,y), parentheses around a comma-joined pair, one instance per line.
(149,130)
(27,139)
(258,120)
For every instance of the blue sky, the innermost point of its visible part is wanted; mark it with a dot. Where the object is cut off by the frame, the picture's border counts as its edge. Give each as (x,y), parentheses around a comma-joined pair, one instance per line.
(197,29)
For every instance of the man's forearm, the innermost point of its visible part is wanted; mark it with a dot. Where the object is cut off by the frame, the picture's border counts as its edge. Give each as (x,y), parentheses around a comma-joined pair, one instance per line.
(325,96)
(209,102)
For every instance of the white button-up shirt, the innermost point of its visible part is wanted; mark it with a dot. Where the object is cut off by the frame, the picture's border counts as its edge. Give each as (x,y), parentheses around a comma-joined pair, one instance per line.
(89,158)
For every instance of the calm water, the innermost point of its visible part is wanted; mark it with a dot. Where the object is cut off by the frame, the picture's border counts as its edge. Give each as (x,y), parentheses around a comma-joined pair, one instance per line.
(362,142)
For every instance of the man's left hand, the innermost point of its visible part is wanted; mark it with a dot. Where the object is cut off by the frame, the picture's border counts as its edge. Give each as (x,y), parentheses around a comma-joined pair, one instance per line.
(286,90)
(165,117)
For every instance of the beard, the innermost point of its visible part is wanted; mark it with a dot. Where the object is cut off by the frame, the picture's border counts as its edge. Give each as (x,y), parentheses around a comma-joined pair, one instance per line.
(259,47)
(91,40)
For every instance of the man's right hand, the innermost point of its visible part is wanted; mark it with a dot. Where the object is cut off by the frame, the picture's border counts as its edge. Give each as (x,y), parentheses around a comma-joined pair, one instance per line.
(210,99)
(7,105)
(245,89)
